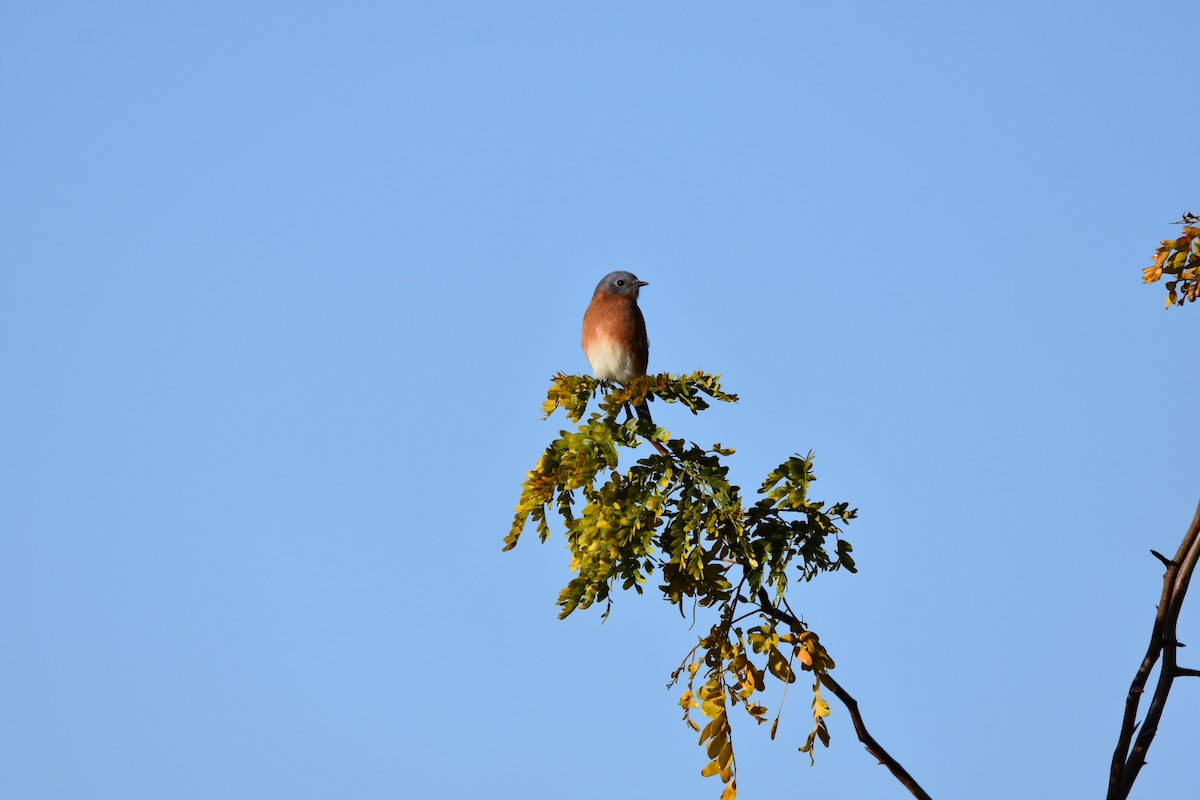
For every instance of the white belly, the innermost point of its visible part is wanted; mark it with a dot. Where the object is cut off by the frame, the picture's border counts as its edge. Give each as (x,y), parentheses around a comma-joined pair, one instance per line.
(610,363)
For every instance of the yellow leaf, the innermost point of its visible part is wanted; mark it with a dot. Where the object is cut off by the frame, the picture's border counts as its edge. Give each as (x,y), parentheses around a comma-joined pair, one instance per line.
(712,769)
(756,674)
(730,791)
(711,728)
(779,666)
(820,708)
(725,754)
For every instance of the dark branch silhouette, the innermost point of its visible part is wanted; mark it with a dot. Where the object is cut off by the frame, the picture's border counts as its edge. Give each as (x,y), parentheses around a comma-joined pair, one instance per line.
(1130,755)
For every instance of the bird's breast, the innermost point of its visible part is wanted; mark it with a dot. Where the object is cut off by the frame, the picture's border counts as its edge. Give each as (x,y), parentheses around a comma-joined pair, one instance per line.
(610,361)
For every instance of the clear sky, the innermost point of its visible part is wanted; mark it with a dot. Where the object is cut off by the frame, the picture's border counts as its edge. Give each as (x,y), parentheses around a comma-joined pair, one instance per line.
(282,284)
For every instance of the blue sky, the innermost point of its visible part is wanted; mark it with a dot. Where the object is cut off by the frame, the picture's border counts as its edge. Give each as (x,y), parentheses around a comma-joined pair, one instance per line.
(283,285)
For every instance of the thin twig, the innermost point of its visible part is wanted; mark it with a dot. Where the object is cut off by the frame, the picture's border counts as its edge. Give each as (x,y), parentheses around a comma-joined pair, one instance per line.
(860,727)
(1130,754)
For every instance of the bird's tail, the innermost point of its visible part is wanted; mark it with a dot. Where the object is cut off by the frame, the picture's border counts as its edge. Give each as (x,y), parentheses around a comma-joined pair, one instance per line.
(643,411)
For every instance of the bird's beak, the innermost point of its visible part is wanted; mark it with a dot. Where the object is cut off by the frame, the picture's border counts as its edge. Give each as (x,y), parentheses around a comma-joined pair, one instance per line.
(643,283)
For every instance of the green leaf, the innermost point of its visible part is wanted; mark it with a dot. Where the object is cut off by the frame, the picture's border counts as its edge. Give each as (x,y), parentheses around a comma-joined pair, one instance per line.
(632,501)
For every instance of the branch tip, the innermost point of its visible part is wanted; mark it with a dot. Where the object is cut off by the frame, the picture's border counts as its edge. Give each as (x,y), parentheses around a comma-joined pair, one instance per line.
(1168,563)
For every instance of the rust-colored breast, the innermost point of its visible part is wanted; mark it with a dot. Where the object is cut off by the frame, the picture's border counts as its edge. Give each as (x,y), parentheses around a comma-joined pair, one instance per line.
(614,337)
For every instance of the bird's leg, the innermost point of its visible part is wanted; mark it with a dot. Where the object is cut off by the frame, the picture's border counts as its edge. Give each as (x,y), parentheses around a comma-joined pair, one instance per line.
(657,446)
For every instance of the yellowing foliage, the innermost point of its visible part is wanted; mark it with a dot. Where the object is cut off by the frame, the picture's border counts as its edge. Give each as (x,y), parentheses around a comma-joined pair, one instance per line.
(1179,258)
(674,512)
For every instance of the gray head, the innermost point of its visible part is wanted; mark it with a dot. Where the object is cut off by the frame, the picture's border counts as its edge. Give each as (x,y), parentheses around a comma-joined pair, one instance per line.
(620,282)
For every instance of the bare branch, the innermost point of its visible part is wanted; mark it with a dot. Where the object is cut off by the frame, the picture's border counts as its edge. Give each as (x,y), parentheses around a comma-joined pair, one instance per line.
(1130,754)
(873,747)
(1168,563)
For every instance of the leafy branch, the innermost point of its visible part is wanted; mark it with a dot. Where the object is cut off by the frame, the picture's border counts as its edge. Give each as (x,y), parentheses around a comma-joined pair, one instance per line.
(1179,258)
(675,514)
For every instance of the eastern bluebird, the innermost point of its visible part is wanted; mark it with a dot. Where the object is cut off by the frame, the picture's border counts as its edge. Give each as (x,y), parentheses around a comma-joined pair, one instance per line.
(614,332)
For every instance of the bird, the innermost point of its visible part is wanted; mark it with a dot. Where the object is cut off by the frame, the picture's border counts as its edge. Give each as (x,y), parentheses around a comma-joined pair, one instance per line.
(614,332)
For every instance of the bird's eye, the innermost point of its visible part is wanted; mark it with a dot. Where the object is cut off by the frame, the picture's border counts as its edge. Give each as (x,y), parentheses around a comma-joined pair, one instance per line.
(620,281)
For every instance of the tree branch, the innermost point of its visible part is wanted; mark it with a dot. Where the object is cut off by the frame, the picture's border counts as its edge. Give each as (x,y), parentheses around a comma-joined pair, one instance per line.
(860,727)
(1130,754)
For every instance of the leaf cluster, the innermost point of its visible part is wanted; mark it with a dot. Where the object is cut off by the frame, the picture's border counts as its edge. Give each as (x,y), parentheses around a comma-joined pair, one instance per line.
(724,666)
(675,514)
(1179,258)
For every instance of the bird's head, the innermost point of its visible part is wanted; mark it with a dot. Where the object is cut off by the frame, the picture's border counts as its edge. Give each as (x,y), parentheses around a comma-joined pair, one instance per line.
(620,282)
